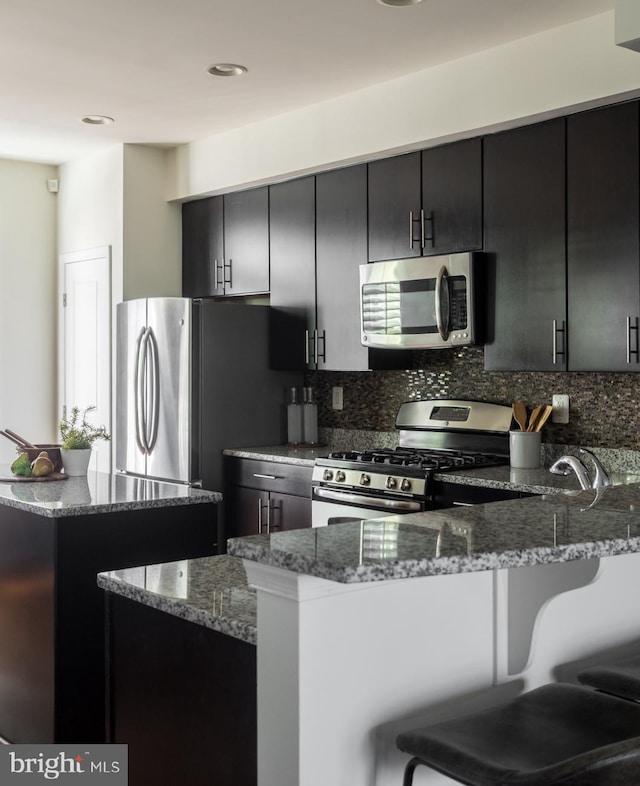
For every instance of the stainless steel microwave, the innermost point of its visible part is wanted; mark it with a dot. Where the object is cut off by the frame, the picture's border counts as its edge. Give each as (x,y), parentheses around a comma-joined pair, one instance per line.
(419,303)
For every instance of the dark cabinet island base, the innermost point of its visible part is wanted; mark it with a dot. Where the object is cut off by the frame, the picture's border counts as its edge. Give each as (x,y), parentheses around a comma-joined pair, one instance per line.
(182,697)
(51,610)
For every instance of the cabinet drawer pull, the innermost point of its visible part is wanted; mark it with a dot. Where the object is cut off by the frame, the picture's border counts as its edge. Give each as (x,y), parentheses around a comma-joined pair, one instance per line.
(427,238)
(268,477)
(411,229)
(229,283)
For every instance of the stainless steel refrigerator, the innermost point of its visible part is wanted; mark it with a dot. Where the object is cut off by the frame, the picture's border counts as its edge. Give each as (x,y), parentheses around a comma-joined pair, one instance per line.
(193,378)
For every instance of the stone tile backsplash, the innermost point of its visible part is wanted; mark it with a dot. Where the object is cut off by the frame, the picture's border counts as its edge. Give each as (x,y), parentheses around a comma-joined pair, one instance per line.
(604,407)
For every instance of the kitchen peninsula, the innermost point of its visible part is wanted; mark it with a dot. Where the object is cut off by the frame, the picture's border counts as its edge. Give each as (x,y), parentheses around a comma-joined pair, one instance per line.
(366,629)
(55,537)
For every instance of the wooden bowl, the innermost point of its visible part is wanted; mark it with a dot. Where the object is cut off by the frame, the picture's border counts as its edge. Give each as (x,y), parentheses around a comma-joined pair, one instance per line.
(52,450)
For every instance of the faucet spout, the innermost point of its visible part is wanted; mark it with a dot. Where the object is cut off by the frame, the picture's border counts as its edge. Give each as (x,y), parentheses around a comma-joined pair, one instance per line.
(601,477)
(565,464)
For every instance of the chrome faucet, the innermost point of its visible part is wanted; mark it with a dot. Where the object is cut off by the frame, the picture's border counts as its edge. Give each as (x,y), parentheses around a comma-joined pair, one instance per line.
(565,464)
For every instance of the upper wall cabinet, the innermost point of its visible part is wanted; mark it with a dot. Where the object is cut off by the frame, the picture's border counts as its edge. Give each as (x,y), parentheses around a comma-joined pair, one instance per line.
(318,242)
(246,242)
(421,204)
(603,239)
(524,202)
(202,247)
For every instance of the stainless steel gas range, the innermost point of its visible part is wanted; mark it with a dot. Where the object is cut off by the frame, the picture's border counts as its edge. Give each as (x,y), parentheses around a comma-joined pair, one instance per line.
(435,436)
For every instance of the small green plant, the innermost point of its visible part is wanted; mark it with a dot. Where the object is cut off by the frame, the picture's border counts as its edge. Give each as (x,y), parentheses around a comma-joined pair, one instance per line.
(77,434)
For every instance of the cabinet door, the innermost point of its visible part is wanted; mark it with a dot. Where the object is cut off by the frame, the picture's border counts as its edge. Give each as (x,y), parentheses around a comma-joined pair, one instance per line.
(202,247)
(341,247)
(246,242)
(452,197)
(245,511)
(524,198)
(603,245)
(288,512)
(293,262)
(394,207)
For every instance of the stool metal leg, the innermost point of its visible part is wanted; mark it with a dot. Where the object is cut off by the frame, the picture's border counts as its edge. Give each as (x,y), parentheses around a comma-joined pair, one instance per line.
(408,771)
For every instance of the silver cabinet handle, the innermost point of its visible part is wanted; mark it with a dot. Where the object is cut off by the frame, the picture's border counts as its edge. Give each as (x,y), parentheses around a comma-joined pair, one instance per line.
(554,340)
(430,237)
(463,504)
(631,327)
(441,304)
(323,338)
(228,265)
(268,477)
(215,275)
(411,229)
(261,505)
(306,347)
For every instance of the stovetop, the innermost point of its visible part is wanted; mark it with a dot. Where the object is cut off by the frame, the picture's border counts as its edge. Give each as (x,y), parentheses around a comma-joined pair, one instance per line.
(401,459)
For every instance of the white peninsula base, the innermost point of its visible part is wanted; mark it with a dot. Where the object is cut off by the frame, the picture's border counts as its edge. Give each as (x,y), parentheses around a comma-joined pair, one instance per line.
(342,668)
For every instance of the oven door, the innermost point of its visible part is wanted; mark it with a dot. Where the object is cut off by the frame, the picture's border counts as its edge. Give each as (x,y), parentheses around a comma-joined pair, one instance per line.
(336,506)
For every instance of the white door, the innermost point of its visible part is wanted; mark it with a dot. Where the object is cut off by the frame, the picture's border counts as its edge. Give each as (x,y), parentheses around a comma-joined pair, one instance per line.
(86,341)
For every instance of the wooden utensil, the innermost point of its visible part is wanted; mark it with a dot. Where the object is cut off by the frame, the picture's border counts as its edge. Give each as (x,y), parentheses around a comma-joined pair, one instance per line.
(12,439)
(543,417)
(534,416)
(520,414)
(19,440)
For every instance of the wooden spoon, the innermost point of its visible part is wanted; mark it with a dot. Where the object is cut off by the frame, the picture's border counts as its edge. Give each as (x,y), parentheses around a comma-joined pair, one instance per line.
(18,439)
(520,414)
(532,420)
(543,418)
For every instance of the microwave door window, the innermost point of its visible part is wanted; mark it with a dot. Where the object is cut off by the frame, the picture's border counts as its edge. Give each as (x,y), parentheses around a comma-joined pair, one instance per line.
(418,306)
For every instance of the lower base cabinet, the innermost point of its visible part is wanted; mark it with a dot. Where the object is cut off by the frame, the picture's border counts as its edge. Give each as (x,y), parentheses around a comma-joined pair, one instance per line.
(182,697)
(264,496)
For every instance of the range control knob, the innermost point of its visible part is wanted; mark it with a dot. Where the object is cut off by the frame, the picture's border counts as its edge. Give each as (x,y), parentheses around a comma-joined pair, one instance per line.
(340,476)
(406,484)
(328,474)
(365,480)
(391,482)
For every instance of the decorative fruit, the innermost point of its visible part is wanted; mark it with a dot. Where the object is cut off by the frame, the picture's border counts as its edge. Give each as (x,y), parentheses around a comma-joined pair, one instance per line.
(22,466)
(42,466)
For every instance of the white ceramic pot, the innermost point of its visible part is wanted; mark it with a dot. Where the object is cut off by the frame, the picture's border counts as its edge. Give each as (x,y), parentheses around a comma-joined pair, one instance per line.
(75,462)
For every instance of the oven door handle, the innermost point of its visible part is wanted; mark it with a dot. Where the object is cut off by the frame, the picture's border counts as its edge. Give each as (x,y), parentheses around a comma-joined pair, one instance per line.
(365,501)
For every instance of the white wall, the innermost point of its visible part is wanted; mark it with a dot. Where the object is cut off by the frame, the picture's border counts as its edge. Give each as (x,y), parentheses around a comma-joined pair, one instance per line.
(27,303)
(571,66)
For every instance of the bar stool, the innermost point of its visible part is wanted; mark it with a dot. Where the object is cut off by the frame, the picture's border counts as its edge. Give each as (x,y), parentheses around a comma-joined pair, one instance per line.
(556,734)
(621,678)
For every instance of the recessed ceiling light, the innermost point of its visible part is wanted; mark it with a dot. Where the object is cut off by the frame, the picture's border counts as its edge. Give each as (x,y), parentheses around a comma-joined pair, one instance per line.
(395,3)
(227,69)
(97,120)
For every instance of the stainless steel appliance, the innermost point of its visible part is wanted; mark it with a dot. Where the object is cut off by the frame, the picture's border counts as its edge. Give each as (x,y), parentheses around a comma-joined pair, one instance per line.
(193,379)
(434,436)
(421,303)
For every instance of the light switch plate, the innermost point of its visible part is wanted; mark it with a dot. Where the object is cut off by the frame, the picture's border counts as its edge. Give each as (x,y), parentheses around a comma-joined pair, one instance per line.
(337,400)
(560,404)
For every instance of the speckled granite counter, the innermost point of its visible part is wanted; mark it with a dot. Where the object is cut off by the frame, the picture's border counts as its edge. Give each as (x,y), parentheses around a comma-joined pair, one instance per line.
(98,492)
(211,591)
(537,530)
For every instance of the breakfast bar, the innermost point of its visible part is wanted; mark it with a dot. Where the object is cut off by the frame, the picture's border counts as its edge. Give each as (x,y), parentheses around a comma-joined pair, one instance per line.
(366,629)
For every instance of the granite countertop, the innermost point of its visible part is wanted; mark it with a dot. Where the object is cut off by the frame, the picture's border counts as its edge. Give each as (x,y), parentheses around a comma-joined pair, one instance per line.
(98,492)
(209,591)
(536,530)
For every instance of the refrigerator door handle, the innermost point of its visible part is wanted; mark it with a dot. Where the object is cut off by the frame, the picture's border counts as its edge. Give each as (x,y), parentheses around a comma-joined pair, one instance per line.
(139,387)
(154,379)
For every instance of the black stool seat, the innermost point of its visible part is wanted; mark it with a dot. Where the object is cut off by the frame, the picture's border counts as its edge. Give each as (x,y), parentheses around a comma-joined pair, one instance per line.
(621,679)
(556,734)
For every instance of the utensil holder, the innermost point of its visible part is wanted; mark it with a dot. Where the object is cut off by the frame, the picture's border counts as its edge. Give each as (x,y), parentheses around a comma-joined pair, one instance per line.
(524,449)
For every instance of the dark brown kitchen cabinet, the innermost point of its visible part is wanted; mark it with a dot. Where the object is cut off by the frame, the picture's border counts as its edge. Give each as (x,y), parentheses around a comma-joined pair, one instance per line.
(603,238)
(181,696)
(525,214)
(292,226)
(246,242)
(318,242)
(427,203)
(202,247)
(265,496)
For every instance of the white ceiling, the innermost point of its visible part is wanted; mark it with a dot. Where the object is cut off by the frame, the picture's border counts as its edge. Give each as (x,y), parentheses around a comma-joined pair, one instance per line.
(144,62)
